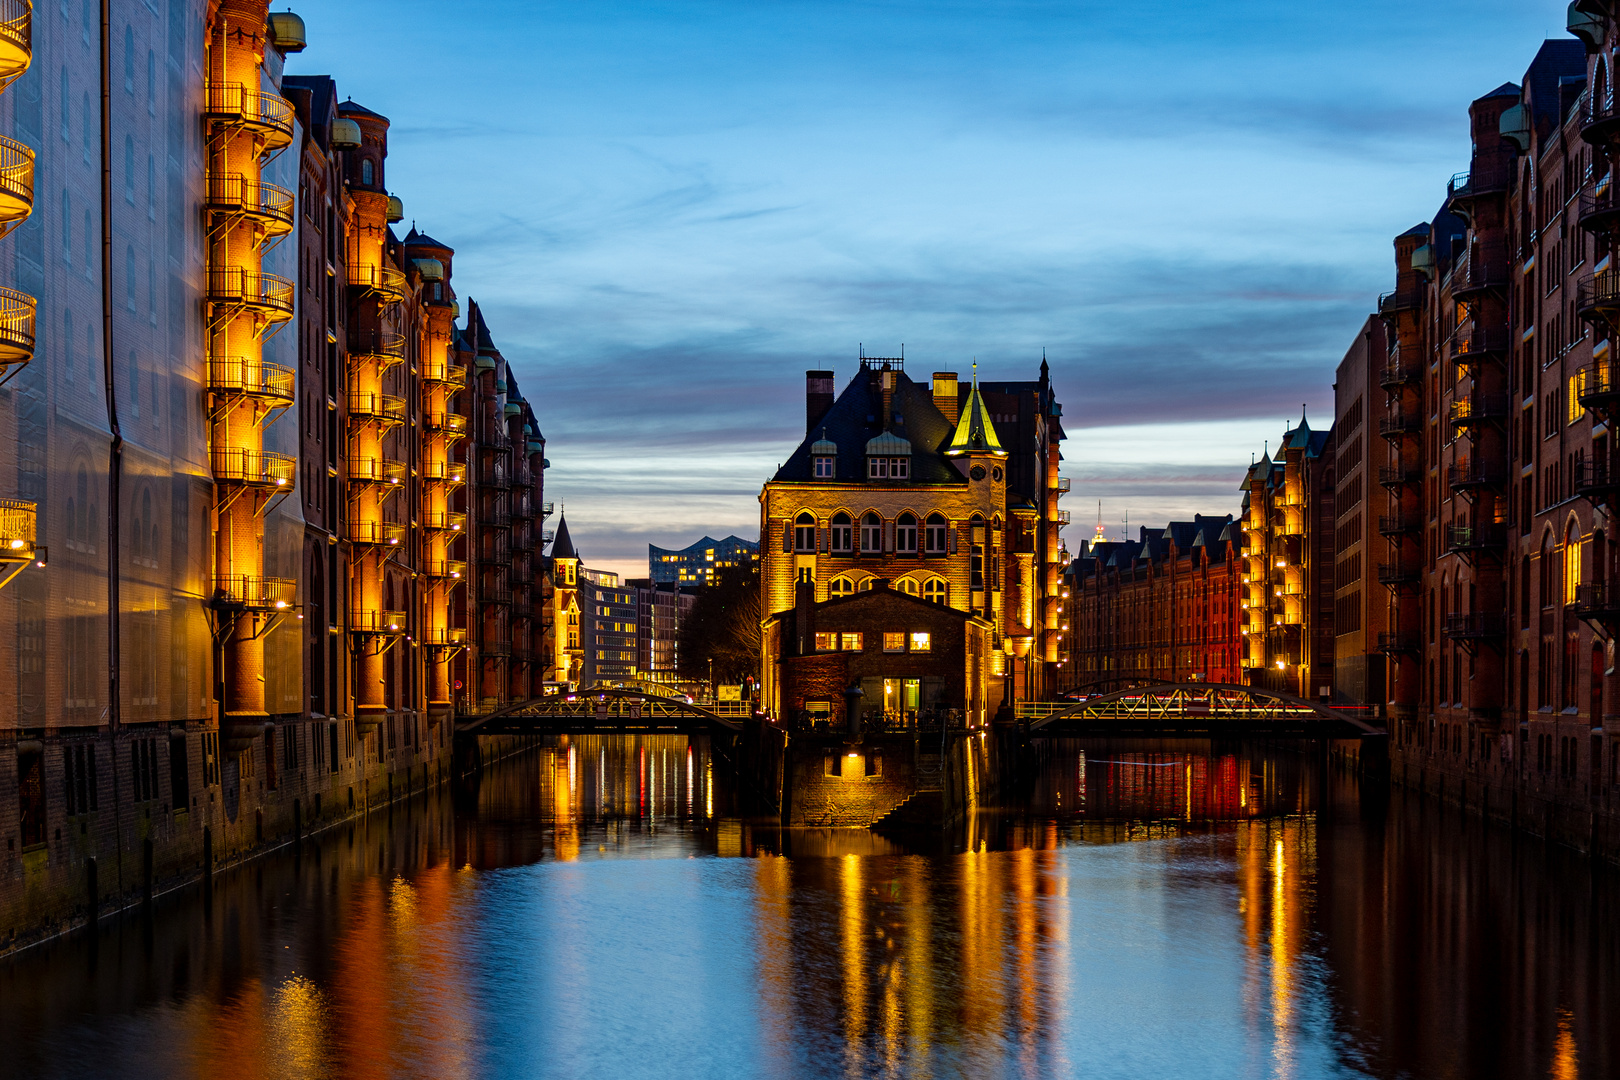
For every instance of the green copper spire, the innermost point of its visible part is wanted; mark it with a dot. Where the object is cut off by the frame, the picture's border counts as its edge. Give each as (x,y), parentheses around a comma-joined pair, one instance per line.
(975,434)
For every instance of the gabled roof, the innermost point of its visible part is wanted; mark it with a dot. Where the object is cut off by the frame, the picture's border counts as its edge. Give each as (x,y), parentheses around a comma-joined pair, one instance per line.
(853,420)
(354,108)
(423,239)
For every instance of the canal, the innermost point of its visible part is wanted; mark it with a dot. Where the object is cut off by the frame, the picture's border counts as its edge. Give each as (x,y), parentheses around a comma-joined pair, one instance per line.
(591,910)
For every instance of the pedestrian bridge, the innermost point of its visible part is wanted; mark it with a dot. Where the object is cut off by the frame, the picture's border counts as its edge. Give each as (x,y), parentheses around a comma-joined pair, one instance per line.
(603,711)
(1197,710)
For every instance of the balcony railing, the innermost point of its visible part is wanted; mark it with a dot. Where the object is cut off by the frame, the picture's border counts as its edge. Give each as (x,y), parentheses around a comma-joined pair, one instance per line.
(376,408)
(255,468)
(254,593)
(16,39)
(444,472)
(495,648)
(1399,573)
(1479,343)
(445,424)
(1597,386)
(1599,601)
(441,521)
(17,310)
(1398,374)
(1062,485)
(1601,123)
(267,204)
(547,509)
(377,622)
(1598,213)
(443,371)
(1478,408)
(1486,267)
(1595,480)
(1467,538)
(383,348)
(252,378)
(445,568)
(1485,178)
(1061,517)
(440,636)
(1397,476)
(19,529)
(268,116)
(372,470)
(381,533)
(1599,294)
(1474,626)
(1399,426)
(384,282)
(267,295)
(1398,525)
(1401,300)
(16,184)
(1469,476)
(1396,642)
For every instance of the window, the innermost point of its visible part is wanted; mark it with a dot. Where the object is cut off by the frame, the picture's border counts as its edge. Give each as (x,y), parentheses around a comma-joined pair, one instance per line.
(826,467)
(79,777)
(921,641)
(826,642)
(1577,386)
(871,534)
(843,533)
(67,227)
(1572,564)
(934,590)
(908,586)
(894,641)
(365,171)
(841,586)
(145,754)
(848,642)
(905,535)
(895,468)
(129,169)
(804,533)
(934,535)
(210,752)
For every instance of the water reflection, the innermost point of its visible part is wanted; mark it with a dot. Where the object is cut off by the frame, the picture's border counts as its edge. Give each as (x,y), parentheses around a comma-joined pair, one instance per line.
(1146,910)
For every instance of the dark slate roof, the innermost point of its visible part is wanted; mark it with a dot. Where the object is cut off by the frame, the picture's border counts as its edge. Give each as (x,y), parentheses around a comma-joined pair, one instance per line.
(887,592)
(1556,59)
(563,546)
(478,328)
(422,238)
(853,420)
(1507,89)
(354,108)
(1420,229)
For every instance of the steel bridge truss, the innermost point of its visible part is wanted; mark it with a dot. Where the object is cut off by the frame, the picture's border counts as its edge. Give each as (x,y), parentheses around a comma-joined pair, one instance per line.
(1204,709)
(607,712)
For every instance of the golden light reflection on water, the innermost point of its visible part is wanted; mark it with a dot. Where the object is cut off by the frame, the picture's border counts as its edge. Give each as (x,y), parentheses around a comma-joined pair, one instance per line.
(1566,1060)
(298,1029)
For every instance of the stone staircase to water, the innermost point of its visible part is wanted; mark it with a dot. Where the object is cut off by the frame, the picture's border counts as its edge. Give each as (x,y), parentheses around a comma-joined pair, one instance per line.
(925,806)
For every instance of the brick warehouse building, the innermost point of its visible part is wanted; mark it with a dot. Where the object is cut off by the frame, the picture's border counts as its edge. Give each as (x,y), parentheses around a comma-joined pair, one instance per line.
(262,456)
(1499,393)
(1162,608)
(1360,602)
(949,492)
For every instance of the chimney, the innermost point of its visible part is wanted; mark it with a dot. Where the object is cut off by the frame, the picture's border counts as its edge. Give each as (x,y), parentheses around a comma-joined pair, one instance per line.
(945,395)
(818,397)
(888,399)
(804,616)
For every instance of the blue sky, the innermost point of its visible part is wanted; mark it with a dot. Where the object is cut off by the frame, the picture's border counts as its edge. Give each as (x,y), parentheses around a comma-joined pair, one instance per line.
(670,211)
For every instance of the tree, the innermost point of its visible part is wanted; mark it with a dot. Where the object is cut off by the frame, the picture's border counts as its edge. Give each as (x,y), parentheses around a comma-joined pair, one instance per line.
(723,626)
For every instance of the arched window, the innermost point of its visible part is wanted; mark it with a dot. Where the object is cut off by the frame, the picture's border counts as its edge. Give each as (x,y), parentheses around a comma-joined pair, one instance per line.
(934,535)
(82,525)
(908,586)
(905,539)
(1548,575)
(365,171)
(871,534)
(843,534)
(134,386)
(129,276)
(1524,592)
(867,584)
(129,59)
(841,586)
(1572,563)
(804,533)
(934,590)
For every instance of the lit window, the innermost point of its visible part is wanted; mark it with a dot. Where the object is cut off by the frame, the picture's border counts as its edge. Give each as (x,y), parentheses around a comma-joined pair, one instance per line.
(804,533)
(1577,387)
(841,586)
(849,642)
(825,468)
(868,584)
(908,586)
(871,534)
(843,533)
(894,641)
(934,535)
(921,641)
(826,642)
(905,535)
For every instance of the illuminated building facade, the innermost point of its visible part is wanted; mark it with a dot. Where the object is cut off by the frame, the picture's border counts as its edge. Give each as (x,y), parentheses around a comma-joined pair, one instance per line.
(1500,391)
(245,445)
(661,608)
(1165,607)
(948,491)
(699,563)
(609,627)
(1288,550)
(566,643)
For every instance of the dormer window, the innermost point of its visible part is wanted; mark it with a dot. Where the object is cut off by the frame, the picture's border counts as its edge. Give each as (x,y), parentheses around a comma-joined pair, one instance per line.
(826,467)
(888,468)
